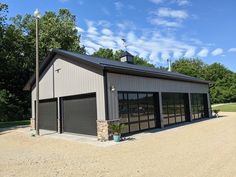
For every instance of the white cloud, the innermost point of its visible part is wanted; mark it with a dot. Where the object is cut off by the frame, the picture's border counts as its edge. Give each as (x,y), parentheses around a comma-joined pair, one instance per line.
(165,55)
(167,17)
(107,32)
(152,45)
(118,5)
(203,52)
(182,2)
(157,1)
(217,51)
(232,50)
(79,30)
(177,54)
(162,22)
(167,12)
(178,2)
(91,29)
(91,45)
(190,53)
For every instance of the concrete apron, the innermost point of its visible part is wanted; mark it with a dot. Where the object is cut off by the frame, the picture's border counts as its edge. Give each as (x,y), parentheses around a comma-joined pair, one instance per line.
(88,139)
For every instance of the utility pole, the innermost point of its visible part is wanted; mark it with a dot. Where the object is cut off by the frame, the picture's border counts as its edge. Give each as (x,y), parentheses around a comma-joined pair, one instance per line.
(37,17)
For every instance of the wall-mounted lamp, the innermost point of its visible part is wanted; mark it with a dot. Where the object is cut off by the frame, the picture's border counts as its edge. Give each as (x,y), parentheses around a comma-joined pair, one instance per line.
(58,70)
(113,88)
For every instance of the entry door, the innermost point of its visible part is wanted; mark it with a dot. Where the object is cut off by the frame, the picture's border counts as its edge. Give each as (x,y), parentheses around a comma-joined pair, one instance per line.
(48,114)
(80,114)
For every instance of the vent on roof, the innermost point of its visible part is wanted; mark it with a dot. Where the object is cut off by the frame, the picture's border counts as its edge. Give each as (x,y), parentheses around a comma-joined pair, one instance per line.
(127,57)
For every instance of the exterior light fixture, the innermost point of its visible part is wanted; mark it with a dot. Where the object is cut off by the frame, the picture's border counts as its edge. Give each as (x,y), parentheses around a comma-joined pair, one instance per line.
(113,88)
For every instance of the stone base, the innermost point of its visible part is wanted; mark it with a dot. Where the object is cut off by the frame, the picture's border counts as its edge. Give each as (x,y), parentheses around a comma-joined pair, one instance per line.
(32,123)
(103,131)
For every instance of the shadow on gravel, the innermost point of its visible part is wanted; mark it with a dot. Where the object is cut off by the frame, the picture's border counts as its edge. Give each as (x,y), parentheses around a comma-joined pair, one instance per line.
(7,130)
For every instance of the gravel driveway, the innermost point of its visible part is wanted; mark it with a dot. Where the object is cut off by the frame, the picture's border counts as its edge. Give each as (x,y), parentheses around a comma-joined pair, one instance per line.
(202,149)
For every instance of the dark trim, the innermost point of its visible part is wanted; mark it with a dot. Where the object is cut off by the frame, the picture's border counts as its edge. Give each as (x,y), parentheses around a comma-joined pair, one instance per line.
(53,80)
(187,107)
(157,112)
(47,100)
(149,74)
(61,115)
(113,66)
(86,95)
(106,94)
(77,58)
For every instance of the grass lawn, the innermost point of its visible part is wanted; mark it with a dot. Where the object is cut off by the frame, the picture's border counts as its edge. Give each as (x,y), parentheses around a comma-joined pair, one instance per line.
(14,123)
(226,107)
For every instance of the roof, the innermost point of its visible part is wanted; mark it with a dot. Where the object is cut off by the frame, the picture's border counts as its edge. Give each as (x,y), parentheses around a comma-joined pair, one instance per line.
(126,54)
(113,66)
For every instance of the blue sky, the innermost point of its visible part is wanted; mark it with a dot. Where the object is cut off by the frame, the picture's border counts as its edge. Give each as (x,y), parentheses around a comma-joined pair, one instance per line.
(154,29)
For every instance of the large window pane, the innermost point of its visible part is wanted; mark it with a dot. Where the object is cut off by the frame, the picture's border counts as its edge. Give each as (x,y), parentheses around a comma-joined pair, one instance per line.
(136,110)
(152,124)
(134,127)
(143,125)
(197,103)
(133,107)
(126,129)
(173,108)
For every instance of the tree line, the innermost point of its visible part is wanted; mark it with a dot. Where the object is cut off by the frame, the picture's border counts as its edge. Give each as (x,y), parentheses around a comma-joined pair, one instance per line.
(58,30)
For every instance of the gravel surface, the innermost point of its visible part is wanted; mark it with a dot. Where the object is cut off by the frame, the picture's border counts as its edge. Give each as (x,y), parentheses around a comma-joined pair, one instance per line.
(202,149)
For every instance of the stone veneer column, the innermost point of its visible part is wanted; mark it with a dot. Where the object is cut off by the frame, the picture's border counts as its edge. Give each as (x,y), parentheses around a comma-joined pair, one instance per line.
(190,107)
(103,132)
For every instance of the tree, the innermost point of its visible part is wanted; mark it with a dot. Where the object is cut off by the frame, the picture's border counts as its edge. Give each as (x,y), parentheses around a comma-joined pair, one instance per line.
(223,81)
(104,53)
(116,55)
(17,59)
(56,31)
(192,67)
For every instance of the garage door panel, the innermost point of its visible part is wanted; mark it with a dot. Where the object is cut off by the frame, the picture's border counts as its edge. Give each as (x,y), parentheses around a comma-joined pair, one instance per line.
(137,110)
(48,115)
(80,115)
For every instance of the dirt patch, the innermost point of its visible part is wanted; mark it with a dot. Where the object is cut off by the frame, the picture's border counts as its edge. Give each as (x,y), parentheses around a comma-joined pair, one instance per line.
(206,148)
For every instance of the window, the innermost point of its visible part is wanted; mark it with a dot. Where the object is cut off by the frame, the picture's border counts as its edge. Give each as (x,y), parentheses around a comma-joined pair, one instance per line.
(199,108)
(136,110)
(173,108)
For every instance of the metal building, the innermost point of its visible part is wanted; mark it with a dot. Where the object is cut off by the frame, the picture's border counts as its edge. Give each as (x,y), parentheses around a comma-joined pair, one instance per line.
(84,94)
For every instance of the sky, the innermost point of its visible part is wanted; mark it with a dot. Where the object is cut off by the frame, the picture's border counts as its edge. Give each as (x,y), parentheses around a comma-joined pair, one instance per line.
(156,30)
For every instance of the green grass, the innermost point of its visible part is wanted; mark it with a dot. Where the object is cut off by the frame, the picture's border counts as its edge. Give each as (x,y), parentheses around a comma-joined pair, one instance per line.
(226,108)
(14,123)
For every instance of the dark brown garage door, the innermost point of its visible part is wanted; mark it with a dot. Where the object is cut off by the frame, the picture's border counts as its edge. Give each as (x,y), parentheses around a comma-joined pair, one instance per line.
(48,114)
(80,114)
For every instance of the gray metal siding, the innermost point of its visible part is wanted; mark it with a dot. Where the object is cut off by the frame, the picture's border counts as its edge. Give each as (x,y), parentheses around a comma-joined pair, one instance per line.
(64,78)
(123,82)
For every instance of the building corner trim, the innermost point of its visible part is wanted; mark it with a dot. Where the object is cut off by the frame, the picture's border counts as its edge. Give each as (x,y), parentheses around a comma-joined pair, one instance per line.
(105,94)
